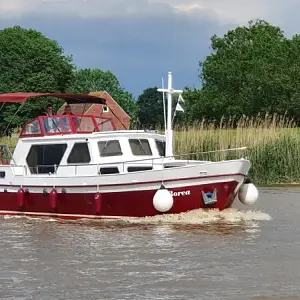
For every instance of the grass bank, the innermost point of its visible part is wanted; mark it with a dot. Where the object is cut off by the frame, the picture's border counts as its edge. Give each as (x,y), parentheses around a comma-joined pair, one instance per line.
(273,142)
(274,146)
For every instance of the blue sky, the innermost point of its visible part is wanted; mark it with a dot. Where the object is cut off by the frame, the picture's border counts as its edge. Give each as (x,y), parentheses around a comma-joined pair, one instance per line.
(140,40)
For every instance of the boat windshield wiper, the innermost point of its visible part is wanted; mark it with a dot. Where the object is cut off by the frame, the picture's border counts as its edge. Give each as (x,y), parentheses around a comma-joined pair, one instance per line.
(105,146)
(55,124)
(142,147)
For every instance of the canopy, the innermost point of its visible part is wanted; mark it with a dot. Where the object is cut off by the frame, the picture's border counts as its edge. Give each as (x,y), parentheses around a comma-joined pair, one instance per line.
(69,98)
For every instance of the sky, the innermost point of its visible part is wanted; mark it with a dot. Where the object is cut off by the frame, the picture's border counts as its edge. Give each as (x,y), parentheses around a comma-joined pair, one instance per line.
(140,41)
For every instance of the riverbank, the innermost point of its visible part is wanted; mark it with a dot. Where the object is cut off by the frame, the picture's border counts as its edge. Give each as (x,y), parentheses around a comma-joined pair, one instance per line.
(273,147)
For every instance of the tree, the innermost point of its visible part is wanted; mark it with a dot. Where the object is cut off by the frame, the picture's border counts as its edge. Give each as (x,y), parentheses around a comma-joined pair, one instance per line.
(195,105)
(150,113)
(30,62)
(253,69)
(88,80)
(151,109)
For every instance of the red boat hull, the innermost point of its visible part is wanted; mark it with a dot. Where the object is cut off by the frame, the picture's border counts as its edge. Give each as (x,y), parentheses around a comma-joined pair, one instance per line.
(113,205)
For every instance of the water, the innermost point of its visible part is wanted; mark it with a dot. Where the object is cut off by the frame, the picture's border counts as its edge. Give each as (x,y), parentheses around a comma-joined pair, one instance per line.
(244,253)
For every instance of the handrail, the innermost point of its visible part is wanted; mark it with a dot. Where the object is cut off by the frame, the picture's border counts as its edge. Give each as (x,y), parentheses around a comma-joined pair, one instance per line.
(150,160)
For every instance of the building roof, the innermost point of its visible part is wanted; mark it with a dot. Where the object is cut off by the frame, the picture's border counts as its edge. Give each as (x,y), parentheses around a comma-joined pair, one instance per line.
(83,108)
(104,95)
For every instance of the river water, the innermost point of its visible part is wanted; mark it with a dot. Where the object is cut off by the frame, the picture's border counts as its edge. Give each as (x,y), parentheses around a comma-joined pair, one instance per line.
(242,253)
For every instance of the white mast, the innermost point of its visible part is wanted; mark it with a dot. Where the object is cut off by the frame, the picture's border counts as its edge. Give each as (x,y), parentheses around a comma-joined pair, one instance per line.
(169,132)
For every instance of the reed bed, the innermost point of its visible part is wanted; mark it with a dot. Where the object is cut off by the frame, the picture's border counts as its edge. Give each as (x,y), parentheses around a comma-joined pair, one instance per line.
(273,145)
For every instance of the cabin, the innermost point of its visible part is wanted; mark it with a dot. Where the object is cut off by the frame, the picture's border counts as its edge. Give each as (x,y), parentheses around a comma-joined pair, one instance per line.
(112,110)
(76,145)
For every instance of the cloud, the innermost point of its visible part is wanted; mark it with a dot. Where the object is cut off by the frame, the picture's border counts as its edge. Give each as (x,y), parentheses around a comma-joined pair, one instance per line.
(138,50)
(228,10)
(139,43)
(84,8)
(140,40)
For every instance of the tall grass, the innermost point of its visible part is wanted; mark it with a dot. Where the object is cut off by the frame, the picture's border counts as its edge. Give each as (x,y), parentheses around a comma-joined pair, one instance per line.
(273,145)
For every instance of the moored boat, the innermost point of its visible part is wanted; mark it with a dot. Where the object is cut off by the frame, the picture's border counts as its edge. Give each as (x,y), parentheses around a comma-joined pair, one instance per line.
(79,166)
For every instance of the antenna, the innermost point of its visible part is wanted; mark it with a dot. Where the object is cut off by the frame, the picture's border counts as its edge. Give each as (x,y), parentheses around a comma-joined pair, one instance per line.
(164,103)
(169,132)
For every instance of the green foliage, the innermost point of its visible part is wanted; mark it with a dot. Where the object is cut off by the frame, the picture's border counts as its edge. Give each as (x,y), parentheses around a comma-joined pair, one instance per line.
(151,109)
(30,62)
(151,114)
(253,69)
(88,80)
(273,146)
(276,161)
(195,105)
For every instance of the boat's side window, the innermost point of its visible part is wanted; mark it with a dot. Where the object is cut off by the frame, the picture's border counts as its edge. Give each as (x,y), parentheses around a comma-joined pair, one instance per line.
(140,147)
(42,158)
(138,168)
(79,154)
(109,148)
(161,147)
(109,170)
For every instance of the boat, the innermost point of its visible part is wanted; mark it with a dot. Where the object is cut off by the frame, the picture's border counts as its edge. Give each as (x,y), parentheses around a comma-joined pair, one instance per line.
(81,167)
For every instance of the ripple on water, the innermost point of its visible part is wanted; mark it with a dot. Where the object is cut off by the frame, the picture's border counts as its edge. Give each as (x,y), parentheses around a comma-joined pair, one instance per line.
(200,216)
(161,257)
(221,222)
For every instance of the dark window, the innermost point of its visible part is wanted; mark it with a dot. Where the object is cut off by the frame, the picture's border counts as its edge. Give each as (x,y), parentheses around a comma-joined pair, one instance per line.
(2,174)
(80,154)
(109,170)
(171,166)
(138,168)
(161,147)
(140,147)
(109,148)
(42,158)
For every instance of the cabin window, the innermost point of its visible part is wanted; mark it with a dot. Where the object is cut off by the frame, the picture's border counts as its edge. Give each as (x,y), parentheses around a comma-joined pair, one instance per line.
(109,148)
(109,170)
(32,128)
(105,109)
(42,158)
(140,147)
(161,147)
(80,154)
(138,168)
(2,174)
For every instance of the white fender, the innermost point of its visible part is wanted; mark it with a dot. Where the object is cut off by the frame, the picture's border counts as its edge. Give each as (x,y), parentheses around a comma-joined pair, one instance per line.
(163,200)
(248,194)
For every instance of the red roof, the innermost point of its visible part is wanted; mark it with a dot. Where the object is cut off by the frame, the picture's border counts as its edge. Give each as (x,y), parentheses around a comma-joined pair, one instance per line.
(70,98)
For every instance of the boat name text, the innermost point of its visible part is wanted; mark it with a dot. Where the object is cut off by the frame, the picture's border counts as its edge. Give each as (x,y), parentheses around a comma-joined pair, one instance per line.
(183,193)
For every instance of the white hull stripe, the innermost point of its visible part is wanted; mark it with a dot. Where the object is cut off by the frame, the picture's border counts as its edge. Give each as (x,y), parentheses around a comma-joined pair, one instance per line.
(54,215)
